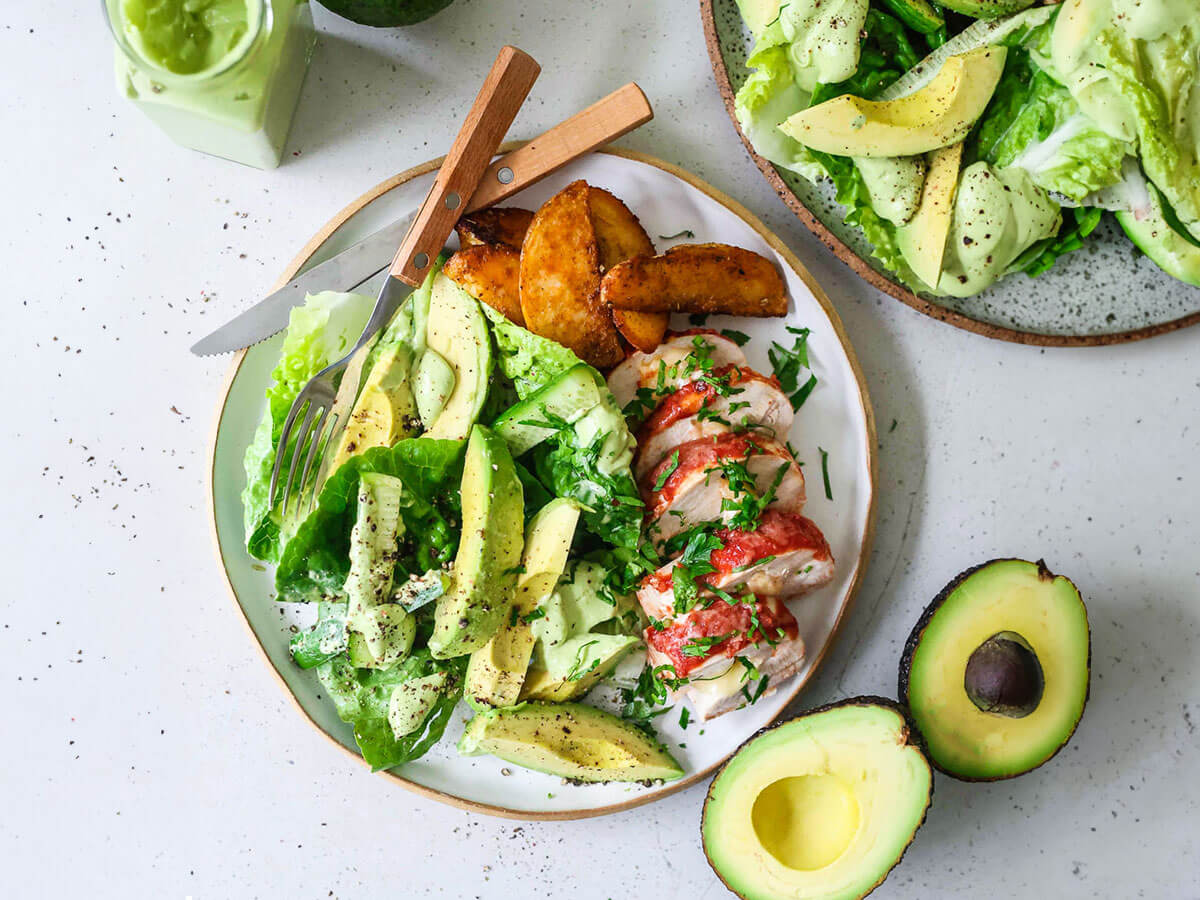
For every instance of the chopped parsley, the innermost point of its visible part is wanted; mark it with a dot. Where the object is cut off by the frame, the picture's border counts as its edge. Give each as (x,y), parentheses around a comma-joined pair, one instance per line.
(758,690)
(693,563)
(667,472)
(751,669)
(738,337)
(747,506)
(702,646)
(686,233)
(788,364)
(577,671)
(684,717)
(825,473)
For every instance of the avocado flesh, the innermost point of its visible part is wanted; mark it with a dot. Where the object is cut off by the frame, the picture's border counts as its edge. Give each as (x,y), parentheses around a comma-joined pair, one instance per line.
(457,331)
(1006,597)
(384,411)
(489,553)
(497,670)
(936,116)
(1166,249)
(569,740)
(540,684)
(923,240)
(821,807)
(987,9)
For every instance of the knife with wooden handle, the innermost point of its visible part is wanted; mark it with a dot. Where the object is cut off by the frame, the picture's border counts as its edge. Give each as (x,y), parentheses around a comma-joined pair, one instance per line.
(602,122)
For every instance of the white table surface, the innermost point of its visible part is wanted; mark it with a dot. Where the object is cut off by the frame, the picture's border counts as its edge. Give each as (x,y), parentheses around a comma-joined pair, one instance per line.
(150,752)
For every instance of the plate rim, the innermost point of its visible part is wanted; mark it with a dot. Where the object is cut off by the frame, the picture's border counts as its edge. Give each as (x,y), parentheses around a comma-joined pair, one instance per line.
(876,279)
(867,535)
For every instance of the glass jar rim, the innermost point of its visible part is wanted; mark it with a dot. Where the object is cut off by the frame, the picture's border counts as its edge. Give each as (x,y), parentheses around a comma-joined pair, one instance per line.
(245,46)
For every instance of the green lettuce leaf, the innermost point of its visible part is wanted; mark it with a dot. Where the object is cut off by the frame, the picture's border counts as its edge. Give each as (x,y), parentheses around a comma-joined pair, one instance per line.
(361,697)
(316,561)
(528,360)
(769,96)
(1078,223)
(1034,123)
(319,332)
(1134,69)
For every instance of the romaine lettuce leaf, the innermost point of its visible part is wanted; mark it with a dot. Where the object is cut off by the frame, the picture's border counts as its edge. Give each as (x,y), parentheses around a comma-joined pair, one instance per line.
(319,332)
(1134,69)
(362,698)
(1033,123)
(316,561)
(529,360)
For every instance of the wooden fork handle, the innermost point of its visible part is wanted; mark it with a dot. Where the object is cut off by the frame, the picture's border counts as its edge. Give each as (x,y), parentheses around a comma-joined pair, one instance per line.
(503,92)
(605,120)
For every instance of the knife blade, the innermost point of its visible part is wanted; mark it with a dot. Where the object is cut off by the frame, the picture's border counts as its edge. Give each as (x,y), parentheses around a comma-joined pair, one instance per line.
(605,120)
(347,270)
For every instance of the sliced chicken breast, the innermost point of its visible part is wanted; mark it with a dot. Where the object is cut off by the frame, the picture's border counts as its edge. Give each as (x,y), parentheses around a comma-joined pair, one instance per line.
(710,697)
(707,479)
(671,359)
(703,641)
(727,399)
(784,557)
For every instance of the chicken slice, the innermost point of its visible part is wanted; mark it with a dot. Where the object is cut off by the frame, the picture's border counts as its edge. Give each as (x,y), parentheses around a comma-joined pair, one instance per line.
(671,362)
(784,557)
(729,398)
(708,479)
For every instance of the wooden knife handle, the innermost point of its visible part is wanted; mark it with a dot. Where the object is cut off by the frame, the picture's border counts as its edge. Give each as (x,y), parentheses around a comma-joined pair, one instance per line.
(503,92)
(605,120)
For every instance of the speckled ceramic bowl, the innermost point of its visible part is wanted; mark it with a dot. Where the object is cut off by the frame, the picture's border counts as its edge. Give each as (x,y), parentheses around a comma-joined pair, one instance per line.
(1106,293)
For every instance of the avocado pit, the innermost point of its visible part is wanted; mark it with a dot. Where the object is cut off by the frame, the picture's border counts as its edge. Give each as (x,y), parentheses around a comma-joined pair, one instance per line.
(1003,676)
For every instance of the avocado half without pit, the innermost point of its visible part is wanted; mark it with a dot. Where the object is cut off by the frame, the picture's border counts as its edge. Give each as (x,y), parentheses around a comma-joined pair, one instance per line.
(995,673)
(820,807)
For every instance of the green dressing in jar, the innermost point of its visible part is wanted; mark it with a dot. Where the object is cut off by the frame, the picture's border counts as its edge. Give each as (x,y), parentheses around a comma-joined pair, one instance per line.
(219,76)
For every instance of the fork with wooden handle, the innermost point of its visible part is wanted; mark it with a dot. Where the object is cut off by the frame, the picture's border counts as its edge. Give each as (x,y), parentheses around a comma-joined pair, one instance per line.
(503,92)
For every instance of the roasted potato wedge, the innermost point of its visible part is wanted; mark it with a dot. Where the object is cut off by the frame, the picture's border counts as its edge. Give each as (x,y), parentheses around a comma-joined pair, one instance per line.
(499,225)
(697,279)
(620,236)
(560,279)
(490,273)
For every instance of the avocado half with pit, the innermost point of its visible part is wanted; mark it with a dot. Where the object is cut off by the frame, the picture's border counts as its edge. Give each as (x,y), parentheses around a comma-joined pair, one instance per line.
(821,807)
(995,673)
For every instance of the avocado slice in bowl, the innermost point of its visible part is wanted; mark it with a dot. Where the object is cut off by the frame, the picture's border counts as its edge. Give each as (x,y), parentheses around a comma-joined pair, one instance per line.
(995,673)
(822,806)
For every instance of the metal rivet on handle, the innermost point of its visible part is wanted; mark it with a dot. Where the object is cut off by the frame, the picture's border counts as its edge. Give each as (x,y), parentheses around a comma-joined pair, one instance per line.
(505,175)
(421,260)
(452,201)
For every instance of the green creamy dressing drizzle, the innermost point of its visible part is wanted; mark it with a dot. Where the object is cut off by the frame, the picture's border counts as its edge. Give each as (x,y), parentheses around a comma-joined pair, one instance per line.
(186,37)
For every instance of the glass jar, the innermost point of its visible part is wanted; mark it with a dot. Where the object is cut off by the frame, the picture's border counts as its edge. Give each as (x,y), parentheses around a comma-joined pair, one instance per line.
(219,76)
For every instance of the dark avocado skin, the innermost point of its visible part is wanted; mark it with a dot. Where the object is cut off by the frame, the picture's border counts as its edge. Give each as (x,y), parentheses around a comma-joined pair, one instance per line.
(386,13)
(914,639)
(912,739)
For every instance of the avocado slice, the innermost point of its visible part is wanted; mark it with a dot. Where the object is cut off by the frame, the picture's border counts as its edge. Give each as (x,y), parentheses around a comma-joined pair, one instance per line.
(1166,248)
(822,806)
(489,553)
(607,651)
(496,670)
(937,115)
(996,671)
(384,411)
(457,331)
(569,740)
(923,239)
(987,9)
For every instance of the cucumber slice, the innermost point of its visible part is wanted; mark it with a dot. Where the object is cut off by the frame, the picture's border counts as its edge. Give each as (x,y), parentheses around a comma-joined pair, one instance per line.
(564,400)
(917,14)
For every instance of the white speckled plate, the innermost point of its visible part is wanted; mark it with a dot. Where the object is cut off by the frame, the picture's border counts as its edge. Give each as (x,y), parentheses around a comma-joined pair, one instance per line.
(1106,293)
(836,417)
